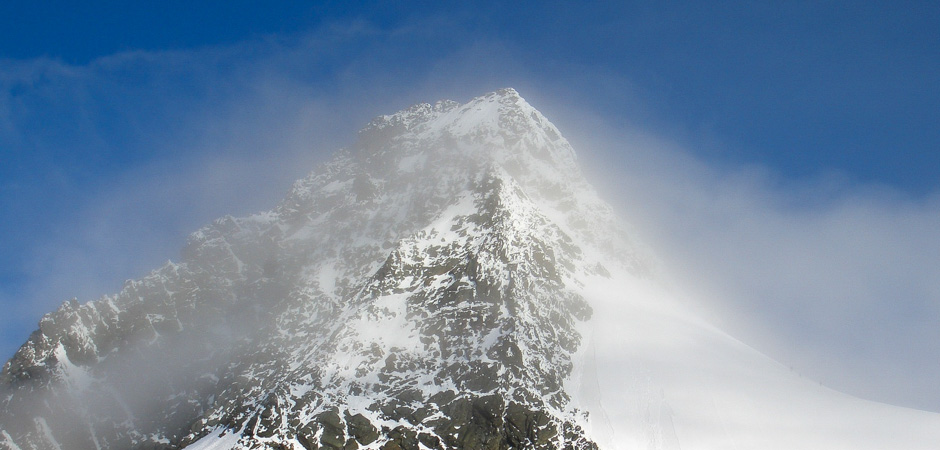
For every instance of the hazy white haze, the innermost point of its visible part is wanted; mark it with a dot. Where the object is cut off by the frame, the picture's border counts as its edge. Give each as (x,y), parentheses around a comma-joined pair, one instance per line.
(836,278)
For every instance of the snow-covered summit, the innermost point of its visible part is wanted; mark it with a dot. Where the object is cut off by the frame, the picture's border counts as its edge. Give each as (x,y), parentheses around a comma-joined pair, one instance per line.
(437,148)
(414,288)
(503,114)
(500,127)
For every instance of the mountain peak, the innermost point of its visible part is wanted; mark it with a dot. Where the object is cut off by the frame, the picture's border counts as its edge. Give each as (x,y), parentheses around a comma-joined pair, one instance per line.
(438,148)
(422,113)
(422,281)
(493,124)
(449,282)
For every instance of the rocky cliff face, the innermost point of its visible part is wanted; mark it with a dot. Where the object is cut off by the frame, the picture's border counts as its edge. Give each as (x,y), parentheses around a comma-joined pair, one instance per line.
(416,291)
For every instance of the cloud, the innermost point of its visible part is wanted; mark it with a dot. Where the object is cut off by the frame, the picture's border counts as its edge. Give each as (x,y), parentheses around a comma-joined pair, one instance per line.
(839,279)
(109,165)
(131,152)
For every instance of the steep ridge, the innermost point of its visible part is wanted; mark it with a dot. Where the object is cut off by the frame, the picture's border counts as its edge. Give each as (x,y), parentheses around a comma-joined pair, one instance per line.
(450,281)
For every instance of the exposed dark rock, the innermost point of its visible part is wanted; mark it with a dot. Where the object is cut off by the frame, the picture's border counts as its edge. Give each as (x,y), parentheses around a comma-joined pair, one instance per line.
(361,429)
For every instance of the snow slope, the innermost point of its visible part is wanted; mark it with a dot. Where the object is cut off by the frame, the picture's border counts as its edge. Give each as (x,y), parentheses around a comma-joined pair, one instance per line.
(653,376)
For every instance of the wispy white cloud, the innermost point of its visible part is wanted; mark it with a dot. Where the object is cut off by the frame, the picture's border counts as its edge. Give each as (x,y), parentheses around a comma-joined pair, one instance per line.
(121,158)
(836,278)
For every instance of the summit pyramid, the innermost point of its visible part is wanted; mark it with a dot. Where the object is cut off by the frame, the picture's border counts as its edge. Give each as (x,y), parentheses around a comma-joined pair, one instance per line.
(449,281)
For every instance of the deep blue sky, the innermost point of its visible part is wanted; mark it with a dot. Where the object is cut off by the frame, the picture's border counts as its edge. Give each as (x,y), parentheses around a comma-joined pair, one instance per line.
(117,117)
(803,86)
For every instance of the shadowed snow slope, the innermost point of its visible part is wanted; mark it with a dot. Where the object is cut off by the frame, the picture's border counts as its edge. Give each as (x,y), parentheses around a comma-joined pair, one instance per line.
(450,281)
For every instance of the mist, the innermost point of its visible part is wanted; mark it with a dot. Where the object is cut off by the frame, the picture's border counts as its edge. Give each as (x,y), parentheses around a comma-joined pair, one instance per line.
(835,277)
